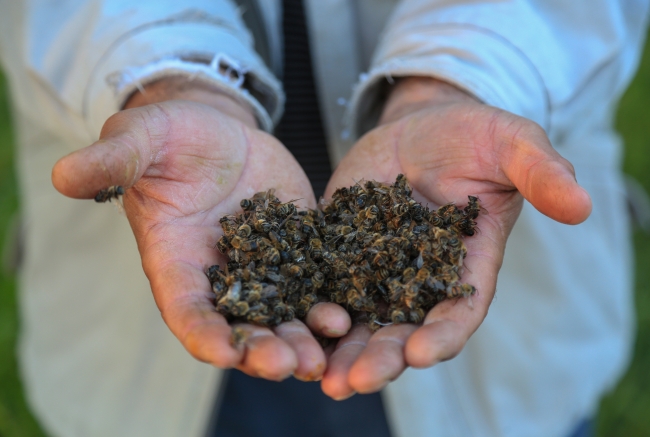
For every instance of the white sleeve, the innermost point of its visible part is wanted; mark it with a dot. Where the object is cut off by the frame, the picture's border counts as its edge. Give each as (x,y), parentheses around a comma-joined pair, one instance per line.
(525,56)
(91,53)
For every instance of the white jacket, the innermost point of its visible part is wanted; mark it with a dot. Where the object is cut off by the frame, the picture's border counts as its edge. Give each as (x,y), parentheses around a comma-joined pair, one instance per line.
(96,358)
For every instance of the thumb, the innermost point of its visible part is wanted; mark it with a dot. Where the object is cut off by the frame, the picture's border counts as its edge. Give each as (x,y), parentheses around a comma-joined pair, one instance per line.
(541,175)
(130,140)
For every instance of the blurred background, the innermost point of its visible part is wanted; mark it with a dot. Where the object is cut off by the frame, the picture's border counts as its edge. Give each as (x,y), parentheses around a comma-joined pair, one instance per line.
(624,412)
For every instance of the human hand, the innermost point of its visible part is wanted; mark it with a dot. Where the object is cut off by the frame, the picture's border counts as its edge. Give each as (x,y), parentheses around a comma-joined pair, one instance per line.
(449,146)
(185,164)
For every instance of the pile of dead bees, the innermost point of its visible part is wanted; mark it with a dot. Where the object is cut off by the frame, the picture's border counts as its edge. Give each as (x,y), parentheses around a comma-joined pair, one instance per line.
(373,249)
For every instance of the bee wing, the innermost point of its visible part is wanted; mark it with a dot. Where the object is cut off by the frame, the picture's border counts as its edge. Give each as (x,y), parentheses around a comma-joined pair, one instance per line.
(119,205)
(420,261)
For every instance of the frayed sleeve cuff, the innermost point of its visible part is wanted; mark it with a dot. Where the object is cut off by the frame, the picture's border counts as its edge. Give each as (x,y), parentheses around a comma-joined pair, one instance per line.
(199,51)
(475,60)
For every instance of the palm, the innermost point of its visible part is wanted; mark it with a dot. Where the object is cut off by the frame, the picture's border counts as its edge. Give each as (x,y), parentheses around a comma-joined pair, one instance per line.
(447,153)
(185,166)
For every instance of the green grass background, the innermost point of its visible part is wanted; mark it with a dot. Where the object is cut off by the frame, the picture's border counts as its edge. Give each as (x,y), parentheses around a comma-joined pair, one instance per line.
(15,418)
(624,412)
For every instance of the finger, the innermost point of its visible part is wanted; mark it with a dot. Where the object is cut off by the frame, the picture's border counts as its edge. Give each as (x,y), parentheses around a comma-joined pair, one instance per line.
(267,356)
(182,293)
(310,355)
(335,381)
(450,323)
(329,346)
(382,360)
(183,296)
(328,320)
(541,175)
(143,139)
(437,341)
(128,143)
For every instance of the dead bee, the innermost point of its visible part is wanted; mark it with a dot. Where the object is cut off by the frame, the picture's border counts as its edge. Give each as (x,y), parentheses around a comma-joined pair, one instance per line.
(372,212)
(343,248)
(297,255)
(372,249)
(473,208)
(445,212)
(308,226)
(305,304)
(381,259)
(232,296)
(416,316)
(408,274)
(228,226)
(106,195)
(238,337)
(271,256)
(261,225)
(397,316)
(254,292)
(356,300)
(412,287)
(464,290)
(291,225)
(244,231)
(286,209)
(436,220)
(263,319)
(240,309)
(379,227)
(318,279)
(247,204)
(467,226)
(213,273)
(457,253)
(316,248)
(222,244)
(400,209)
(250,245)
(295,271)
(236,242)
(381,274)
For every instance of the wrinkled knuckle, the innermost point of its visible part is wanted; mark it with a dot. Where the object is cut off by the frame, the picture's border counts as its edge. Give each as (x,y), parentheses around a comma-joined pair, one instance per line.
(158,116)
(293,334)
(524,131)
(357,343)
(567,164)
(116,122)
(156,124)
(388,340)
(511,130)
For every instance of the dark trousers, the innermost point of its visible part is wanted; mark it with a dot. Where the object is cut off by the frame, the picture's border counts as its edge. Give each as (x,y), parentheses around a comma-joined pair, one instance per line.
(251,407)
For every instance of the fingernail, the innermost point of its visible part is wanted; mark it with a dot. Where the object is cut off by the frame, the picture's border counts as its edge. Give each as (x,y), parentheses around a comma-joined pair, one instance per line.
(275,378)
(315,375)
(335,332)
(308,378)
(348,396)
(282,378)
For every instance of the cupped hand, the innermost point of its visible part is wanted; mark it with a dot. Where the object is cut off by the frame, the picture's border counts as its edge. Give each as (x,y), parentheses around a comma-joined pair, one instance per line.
(184,165)
(449,146)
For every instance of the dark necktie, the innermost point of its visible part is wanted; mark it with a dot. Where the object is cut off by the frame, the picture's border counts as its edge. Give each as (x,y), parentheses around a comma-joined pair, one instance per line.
(301,128)
(252,407)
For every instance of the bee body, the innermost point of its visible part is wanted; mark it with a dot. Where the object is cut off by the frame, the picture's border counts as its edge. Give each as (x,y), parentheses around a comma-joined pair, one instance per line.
(106,195)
